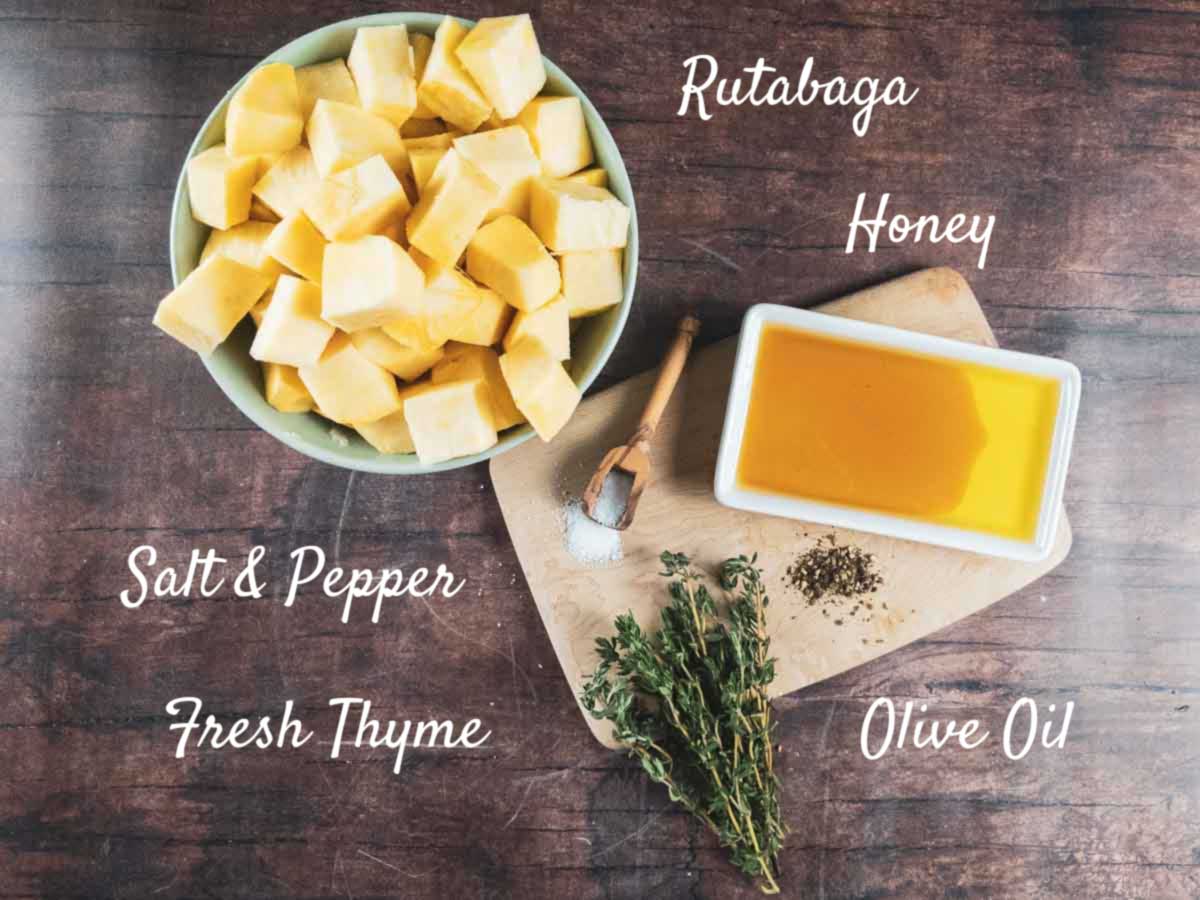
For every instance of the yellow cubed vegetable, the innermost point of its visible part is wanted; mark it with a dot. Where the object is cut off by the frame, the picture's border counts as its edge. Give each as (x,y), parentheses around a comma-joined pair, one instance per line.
(292,331)
(259,309)
(264,114)
(415,129)
(405,362)
(595,176)
(296,243)
(449,299)
(464,362)
(445,88)
(412,331)
(219,187)
(342,136)
(381,64)
(451,208)
(390,434)
(357,201)
(264,162)
(507,256)
(246,243)
(450,420)
(493,122)
(548,323)
(443,140)
(420,46)
(487,324)
(368,282)
(502,56)
(570,216)
(206,306)
(559,134)
(325,81)
(505,156)
(284,390)
(592,281)
(541,387)
(290,181)
(347,387)
(395,232)
(424,161)
(260,212)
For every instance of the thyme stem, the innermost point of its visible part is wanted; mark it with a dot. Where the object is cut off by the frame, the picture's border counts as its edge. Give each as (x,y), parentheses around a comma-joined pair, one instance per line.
(690,702)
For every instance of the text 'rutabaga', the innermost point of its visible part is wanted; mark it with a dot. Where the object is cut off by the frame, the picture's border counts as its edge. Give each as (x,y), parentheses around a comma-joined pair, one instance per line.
(866,93)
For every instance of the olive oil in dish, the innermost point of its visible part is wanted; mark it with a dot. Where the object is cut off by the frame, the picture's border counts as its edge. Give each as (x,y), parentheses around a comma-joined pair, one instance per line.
(881,429)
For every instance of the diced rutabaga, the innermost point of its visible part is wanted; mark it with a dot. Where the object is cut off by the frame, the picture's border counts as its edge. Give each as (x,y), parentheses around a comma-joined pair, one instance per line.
(502,56)
(507,256)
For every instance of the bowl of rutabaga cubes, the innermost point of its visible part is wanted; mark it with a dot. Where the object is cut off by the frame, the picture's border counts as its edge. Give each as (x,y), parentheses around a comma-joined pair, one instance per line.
(404,243)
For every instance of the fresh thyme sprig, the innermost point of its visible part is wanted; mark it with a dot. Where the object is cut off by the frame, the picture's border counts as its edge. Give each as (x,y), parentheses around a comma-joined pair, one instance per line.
(690,703)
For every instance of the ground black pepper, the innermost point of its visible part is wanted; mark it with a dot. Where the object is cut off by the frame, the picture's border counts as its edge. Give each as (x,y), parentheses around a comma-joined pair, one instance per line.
(833,572)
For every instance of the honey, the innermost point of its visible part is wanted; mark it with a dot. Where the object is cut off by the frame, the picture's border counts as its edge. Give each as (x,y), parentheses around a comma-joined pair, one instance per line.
(891,431)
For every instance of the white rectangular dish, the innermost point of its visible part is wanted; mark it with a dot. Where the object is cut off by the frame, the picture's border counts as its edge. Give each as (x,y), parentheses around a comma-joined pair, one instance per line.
(730,493)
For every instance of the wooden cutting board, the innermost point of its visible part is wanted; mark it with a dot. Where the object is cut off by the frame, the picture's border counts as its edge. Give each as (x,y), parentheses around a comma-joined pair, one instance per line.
(924,588)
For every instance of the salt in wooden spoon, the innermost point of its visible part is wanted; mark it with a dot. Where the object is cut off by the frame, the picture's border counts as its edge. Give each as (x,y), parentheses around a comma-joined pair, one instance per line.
(612,495)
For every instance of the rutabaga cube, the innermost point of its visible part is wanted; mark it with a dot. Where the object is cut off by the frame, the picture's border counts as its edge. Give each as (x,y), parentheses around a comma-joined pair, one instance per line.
(415,129)
(381,63)
(450,297)
(424,162)
(548,323)
(260,212)
(357,201)
(559,134)
(445,88)
(450,420)
(264,114)
(291,180)
(505,156)
(347,387)
(571,216)
(412,331)
(259,309)
(503,57)
(443,140)
(488,324)
(592,281)
(390,434)
(420,46)
(325,81)
(595,176)
(402,361)
(246,243)
(451,208)
(202,311)
(296,243)
(342,136)
(464,362)
(368,282)
(292,331)
(219,187)
(284,390)
(541,387)
(508,257)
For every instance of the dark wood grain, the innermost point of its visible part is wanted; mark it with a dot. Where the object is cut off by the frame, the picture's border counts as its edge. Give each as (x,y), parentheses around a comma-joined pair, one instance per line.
(1078,126)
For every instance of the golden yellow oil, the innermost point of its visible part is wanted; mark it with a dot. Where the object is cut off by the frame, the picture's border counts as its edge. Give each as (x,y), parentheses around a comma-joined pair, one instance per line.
(891,431)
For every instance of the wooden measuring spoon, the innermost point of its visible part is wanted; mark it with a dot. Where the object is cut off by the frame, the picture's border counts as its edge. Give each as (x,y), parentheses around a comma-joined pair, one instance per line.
(612,494)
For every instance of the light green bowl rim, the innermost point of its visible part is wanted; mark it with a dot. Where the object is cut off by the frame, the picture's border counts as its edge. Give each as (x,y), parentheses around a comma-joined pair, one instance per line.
(254,405)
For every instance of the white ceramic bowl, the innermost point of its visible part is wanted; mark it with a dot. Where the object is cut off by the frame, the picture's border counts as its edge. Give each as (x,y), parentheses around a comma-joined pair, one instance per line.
(730,493)
(239,376)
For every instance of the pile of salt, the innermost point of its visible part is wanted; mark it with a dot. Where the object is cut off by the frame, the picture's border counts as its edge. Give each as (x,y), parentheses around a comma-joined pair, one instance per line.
(589,542)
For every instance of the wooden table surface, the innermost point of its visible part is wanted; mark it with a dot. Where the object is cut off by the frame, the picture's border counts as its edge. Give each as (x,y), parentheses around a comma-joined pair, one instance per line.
(1078,128)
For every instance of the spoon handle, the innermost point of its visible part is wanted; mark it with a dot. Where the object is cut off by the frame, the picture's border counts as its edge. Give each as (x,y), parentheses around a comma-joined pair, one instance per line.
(668,376)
